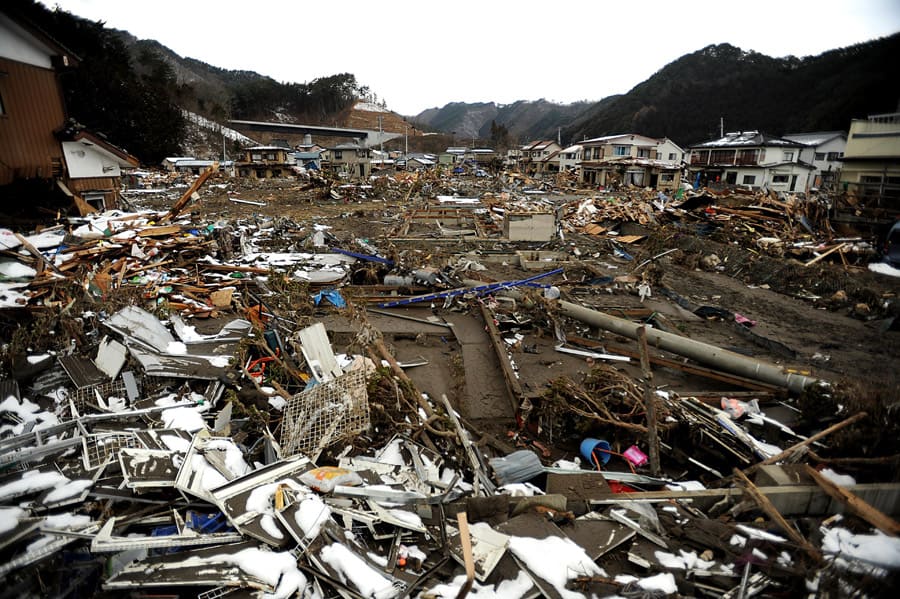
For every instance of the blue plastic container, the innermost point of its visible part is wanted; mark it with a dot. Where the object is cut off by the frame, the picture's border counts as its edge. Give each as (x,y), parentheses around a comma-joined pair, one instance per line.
(595,447)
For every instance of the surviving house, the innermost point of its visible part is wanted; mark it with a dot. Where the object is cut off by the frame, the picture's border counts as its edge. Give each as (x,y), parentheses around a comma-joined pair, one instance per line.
(418,162)
(751,159)
(871,168)
(536,155)
(170,163)
(570,158)
(452,155)
(824,150)
(631,159)
(482,156)
(37,142)
(266,162)
(351,159)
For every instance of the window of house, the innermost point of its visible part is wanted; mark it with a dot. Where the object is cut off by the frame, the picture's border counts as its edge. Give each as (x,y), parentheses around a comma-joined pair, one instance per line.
(270,156)
(621,151)
(338,155)
(643,152)
(748,156)
(666,178)
(820,155)
(749,180)
(788,156)
(779,178)
(835,155)
(255,156)
(721,157)
(672,156)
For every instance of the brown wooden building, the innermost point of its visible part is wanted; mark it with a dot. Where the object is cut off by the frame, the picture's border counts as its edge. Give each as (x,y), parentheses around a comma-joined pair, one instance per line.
(35,140)
(31,102)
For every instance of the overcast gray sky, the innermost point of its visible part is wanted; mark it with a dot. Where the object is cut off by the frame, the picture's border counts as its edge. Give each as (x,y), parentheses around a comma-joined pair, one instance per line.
(418,54)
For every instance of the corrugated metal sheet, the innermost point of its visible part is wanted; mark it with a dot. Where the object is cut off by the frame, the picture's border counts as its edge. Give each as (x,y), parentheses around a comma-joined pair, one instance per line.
(33,104)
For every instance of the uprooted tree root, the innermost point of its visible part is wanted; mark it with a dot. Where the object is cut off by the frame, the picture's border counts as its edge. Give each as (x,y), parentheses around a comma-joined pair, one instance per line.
(871,443)
(607,398)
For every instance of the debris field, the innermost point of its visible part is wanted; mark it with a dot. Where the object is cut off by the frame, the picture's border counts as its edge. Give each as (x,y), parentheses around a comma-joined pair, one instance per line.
(434,386)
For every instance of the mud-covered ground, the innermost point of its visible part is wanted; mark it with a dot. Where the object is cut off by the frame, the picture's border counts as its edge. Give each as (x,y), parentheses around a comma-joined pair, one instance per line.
(825,320)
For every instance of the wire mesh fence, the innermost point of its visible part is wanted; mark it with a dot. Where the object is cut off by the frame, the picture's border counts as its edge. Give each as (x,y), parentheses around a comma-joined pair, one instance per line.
(325,414)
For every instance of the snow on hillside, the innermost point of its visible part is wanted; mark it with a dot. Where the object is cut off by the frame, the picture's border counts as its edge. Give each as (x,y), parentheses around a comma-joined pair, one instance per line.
(231,134)
(369,107)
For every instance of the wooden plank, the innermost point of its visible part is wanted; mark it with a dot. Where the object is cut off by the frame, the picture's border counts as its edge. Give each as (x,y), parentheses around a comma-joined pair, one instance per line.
(466,543)
(184,199)
(763,502)
(823,254)
(166,230)
(790,450)
(513,387)
(649,401)
(856,504)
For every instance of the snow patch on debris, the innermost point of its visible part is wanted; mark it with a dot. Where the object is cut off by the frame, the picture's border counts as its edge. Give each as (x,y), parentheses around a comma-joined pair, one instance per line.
(68,490)
(841,480)
(32,482)
(569,561)
(9,518)
(354,570)
(876,549)
(507,589)
(884,268)
(664,582)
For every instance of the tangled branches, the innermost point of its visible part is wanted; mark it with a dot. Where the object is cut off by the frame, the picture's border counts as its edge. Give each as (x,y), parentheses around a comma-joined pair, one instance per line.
(607,397)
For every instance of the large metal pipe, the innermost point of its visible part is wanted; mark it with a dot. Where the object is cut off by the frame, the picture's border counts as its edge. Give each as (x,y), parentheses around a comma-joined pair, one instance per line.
(695,350)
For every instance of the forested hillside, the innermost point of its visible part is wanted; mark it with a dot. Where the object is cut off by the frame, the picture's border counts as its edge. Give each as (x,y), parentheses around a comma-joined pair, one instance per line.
(747,90)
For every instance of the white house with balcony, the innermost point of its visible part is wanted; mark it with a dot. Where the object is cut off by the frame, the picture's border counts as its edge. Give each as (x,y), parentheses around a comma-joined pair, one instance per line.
(536,155)
(750,159)
(631,159)
(825,151)
(570,158)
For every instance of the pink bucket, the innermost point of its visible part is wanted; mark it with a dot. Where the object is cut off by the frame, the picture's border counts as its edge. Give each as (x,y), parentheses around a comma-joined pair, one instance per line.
(635,456)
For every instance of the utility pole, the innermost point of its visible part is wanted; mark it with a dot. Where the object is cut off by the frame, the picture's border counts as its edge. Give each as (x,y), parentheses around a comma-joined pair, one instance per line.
(381,139)
(721,126)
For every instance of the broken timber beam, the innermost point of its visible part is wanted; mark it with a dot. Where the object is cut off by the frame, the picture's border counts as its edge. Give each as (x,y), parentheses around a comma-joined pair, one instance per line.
(808,441)
(466,542)
(178,206)
(836,248)
(763,502)
(513,387)
(649,402)
(856,504)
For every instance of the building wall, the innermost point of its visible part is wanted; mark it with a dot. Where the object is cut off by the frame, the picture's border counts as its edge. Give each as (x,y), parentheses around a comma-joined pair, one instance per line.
(19,45)
(32,109)
(83,161)
(777,178)
(667,149)
(108,187)
(873,139)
